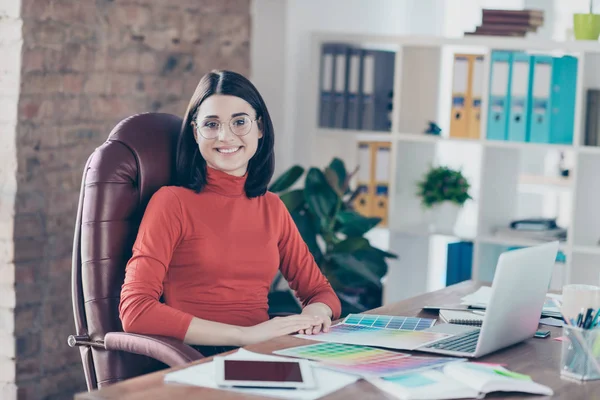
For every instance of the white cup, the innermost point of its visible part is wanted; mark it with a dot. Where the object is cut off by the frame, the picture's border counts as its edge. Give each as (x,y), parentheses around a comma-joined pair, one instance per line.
(577,297)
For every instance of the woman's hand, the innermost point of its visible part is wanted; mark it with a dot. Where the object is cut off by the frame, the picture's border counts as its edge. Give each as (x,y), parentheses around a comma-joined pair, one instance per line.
(278,326)
(321,315)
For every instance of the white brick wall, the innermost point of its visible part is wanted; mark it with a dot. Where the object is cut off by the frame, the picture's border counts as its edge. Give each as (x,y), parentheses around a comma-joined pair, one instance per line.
(11,41)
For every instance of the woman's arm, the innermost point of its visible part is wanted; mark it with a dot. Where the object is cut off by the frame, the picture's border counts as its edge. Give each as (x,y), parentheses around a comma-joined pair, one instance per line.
(302,272)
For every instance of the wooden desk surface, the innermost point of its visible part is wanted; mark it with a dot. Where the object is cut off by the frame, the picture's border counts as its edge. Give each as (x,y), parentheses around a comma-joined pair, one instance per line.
(538,358)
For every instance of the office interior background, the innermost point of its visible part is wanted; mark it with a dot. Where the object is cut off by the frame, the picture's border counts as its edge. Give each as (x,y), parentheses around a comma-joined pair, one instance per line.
(71,70)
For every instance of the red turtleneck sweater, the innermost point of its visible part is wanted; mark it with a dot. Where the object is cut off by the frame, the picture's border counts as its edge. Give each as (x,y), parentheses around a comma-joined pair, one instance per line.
(213,255)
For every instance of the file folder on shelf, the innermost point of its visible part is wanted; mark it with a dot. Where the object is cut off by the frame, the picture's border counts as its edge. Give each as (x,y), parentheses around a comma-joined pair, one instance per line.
(541,95)
(381,151)
(474,112)
(499,95)
(363,200)
(552,110)
(520,90)
(460,96)
(466,96)
(564,89)
(376,90)
(326,89)
(340,85)
(355,65)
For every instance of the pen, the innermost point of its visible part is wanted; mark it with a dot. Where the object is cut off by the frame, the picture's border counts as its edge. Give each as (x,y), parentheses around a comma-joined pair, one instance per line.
(587,319)
(579,319)
(595,320)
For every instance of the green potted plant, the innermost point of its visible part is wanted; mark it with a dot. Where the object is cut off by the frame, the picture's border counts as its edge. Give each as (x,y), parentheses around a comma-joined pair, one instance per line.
(334,232)
(443,191)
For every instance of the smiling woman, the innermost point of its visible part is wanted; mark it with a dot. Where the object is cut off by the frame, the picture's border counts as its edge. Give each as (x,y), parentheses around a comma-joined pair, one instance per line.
(212,245)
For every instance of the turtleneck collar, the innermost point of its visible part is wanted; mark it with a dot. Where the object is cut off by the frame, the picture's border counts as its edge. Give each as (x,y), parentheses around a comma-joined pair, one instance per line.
(222,183)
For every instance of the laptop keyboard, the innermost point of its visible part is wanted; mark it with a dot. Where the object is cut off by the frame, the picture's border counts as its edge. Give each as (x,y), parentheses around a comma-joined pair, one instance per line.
(466,342)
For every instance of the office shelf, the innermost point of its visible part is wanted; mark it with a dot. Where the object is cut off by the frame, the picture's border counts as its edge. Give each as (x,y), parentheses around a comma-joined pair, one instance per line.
(507,177)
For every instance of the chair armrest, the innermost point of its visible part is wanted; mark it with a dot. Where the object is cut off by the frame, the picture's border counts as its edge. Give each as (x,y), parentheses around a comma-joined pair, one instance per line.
(167,350)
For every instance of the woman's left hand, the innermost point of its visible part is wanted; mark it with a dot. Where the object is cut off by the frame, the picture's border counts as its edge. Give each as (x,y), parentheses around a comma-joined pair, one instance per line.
(320,312)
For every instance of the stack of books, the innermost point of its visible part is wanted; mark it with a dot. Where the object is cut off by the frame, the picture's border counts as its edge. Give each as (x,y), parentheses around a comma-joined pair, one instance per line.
(508,22)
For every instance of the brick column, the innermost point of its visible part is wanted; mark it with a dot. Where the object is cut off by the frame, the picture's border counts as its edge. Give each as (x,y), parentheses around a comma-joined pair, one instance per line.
(69,71)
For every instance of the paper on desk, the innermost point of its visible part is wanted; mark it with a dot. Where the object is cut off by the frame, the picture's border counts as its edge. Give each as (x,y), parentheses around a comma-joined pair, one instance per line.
(328,381)
(481,298)
(551,322)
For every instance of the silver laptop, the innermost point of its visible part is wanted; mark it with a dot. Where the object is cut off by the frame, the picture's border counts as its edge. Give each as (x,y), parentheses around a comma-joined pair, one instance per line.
(513,313)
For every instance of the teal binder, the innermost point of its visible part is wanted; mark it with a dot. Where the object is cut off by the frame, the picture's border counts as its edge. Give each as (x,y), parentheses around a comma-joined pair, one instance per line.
(564,88)
(520,90)
(541,106)
(552,110)
(499,95)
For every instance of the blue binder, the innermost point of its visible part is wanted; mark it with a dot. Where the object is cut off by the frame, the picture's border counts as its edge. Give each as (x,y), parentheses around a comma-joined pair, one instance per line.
(500,75)
(564,88)
(552,110)
(520,90)
(459,262)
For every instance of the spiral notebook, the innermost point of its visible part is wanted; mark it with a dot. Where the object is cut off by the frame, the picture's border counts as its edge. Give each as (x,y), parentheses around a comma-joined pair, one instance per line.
(461,317)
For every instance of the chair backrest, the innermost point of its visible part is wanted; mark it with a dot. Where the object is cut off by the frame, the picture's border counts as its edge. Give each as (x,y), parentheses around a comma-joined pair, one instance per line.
(119,178)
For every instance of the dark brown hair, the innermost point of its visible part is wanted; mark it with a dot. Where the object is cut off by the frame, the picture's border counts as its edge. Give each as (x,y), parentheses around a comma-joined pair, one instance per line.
(191,166)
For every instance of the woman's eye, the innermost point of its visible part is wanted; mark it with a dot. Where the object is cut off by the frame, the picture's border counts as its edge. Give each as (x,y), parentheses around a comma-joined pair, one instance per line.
(239,122)
(211,125)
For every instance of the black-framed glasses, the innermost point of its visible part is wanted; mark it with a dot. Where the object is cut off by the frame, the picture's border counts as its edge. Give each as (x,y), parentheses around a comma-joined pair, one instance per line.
(210,127)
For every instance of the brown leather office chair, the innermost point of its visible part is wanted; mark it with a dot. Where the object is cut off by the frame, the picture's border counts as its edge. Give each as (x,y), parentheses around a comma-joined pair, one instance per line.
(119,178)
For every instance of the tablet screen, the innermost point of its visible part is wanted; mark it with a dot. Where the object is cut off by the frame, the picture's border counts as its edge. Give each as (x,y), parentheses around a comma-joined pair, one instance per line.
(262,371)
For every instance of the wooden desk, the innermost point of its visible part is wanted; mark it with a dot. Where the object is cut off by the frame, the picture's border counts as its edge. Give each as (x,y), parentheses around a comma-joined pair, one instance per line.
(538,358)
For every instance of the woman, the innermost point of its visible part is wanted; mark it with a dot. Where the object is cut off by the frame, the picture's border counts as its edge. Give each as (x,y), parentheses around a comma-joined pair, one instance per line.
(213,244)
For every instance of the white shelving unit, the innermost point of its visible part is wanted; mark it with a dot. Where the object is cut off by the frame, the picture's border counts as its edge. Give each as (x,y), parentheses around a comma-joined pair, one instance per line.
(509,180)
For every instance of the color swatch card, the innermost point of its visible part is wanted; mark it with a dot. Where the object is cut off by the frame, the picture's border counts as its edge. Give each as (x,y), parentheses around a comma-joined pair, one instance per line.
(379,337)
(343,354)
(389,322)
(364,361)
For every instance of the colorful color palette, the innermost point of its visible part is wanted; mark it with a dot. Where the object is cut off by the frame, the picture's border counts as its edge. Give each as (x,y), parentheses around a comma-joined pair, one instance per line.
(379,337)
(337,353)
(389,322)
(394,367)
(364,361)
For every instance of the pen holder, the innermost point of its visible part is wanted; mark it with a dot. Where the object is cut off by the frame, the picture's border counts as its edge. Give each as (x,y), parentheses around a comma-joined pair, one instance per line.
(580,358)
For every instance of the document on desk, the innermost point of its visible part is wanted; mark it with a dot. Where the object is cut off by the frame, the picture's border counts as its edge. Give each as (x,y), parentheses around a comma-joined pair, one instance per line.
(481,297)
(328,381)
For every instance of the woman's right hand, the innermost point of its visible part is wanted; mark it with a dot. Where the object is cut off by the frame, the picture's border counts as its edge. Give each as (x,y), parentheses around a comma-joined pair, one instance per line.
(278,326)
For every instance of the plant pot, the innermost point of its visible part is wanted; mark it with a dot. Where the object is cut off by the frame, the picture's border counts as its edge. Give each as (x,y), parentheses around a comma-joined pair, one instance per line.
(586,26)
(444,216)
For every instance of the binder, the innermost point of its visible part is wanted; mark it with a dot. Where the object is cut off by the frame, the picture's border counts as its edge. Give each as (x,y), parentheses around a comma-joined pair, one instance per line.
(381,153)
(520,90)
(564,90)
(364,199)
(459,262)
(460,96)
(377,89)
(353,103)
(540,109)
(474,112)
(326,90)
(592,117)
(499,95)
(340,84)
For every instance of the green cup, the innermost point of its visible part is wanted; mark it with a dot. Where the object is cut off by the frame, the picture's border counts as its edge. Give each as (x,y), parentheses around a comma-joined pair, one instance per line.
(586,26)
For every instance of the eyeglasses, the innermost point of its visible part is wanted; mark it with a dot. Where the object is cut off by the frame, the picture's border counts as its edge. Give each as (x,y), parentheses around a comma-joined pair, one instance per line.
(210,128)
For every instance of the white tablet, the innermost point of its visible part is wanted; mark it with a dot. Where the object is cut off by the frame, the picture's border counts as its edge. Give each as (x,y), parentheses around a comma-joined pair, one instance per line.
(288,374)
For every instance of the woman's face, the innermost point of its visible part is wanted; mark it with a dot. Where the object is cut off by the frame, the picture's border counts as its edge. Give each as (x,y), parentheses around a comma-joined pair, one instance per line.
(227,133)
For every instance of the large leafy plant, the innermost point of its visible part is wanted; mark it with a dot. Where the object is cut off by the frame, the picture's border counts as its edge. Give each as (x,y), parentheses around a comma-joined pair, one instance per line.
(333,231)
(441,184)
